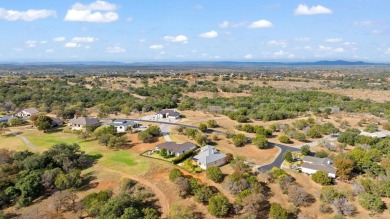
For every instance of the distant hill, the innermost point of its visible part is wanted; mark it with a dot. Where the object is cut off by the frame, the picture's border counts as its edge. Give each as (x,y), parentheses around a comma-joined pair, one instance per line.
(198,63)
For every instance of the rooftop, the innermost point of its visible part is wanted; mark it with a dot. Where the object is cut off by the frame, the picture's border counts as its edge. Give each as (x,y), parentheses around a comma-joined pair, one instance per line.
(84,121)
(317,163)
(209,154)
(175,147)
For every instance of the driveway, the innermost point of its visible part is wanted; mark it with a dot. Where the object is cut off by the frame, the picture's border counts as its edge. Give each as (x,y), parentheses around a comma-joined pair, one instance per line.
(279,159)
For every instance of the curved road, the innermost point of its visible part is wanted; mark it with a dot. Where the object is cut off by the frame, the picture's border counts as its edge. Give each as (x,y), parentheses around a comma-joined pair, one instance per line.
(276,163)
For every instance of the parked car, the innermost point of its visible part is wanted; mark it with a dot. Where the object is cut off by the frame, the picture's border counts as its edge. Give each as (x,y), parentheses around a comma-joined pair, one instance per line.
(294,167)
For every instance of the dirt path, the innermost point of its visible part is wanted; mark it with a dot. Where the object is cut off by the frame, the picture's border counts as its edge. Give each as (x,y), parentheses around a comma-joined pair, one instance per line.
(159,194)
(25,140)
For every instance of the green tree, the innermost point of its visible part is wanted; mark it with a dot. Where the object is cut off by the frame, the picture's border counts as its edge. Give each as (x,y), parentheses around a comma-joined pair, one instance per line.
(344,167)
(284,139)
(277,212)
(201,139)
(68,181)
(202,127)
(218,205)
(191,133)
(179,211)
(315,131)
(371,128)
(305,150)
(371,202)
(154,130)
(43,123)
(260,141)
(288,156)
(214,173)
(203,194)
(145,137)
(239,140)
(174,174)
(212,124)
(163,153)
(329,194)
(321,177)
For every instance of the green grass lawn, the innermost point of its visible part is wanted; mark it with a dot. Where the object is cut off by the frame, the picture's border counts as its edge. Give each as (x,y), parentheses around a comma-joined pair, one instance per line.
(122,160)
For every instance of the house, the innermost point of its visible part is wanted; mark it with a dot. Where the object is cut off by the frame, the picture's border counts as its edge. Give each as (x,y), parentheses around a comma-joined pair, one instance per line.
(121,125)
(168,113)
(25,113)
(55,122)
(313,164)
(5,118)
(82,123)
(176,149)
(378,134)
(209,156)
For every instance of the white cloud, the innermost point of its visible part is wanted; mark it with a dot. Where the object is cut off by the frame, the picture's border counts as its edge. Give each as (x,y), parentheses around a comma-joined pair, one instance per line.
(49,50)
(365,23)
(349,43)
(260,24)
(339,50)
(84,39)
(377,32)
(71,45)
(283,53)
(115,49)
(281,43)
(59,39)
(31,43)
(129,19)
(334,40)
(29,15)
(162,52)
(43,42)
(227,24)
(302,39)
(176,39)
(248,56)
(387,51)
(98,12)
(156,47)
(305,10)
(209,35)
(96,6)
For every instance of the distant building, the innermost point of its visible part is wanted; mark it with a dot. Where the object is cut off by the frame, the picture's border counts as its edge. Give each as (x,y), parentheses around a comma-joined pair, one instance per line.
(313,164)
(122,125)
(378,134)
(25,113)
(82,123)
(209,156)
(4,119)
(168,113)
(55,122)
(176,149)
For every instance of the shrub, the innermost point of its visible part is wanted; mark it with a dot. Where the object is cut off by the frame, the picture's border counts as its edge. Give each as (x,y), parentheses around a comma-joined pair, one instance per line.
(145,137)
(305,150)
(371,202)
(321,177)
(174,174)
(214,173)
(277,212)
(212,124)
(202,127)
(329,194)
(288,156)
(239,140)
(284,139)
(260,141)
(218,205)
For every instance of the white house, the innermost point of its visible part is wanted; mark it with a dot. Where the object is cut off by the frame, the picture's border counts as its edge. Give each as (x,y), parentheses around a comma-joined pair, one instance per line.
(122,125)
(25,113)
(81,123)
(209,156)
(313,164)
(168,113)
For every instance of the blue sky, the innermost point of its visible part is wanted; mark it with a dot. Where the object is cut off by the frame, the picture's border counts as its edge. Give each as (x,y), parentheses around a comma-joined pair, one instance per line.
(194,30)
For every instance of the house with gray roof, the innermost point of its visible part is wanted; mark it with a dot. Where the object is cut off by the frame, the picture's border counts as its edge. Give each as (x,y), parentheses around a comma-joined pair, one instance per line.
(168,113)
(313,164)
(25,113)
(209,156)
(122,125)
(378,134)
(4,119)
(81,123)
(176,149)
